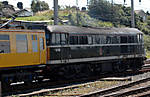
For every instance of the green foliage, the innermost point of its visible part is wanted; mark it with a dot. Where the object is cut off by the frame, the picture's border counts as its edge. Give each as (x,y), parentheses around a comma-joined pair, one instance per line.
(71,15)
(147,42)
(86,20)
(38,5)
(117,14)
(34,18)
(100,9)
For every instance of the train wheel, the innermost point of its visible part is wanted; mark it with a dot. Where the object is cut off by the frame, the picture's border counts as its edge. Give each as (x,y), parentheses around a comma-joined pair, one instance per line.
(67,72)
(119,67)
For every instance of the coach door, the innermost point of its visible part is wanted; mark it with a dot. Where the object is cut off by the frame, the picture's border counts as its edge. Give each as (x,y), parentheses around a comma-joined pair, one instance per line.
(42,50)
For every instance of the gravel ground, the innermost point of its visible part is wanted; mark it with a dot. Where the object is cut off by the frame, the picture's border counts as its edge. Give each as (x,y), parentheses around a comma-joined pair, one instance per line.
(140,76)
(88,88)
(97,85)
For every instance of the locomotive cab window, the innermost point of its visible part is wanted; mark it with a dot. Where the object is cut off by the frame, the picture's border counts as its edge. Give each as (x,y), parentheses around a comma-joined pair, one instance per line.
(130,39)
(58,38)
(4,44)
(64,39)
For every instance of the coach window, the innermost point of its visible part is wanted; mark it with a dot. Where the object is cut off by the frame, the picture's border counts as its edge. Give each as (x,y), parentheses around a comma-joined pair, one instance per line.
(41,43)
(21,43)
(4,44)
(34,43)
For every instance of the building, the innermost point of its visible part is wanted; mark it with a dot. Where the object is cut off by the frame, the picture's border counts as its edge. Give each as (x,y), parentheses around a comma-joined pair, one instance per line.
(142,14)
(25,13)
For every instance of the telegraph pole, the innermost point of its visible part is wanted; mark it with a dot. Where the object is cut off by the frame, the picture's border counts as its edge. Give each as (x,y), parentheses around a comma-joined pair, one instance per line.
(55,12)
(132,14)
(77,15)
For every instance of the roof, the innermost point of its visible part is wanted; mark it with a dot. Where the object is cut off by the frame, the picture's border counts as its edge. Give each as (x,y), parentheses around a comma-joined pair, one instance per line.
(89,30)
(138,11)
(21,30)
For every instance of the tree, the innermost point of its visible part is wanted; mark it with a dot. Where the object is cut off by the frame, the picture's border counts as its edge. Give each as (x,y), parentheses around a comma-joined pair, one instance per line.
(100,9)
(38,5)
(115,13)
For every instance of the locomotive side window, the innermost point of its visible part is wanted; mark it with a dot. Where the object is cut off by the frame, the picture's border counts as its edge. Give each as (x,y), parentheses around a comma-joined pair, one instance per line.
(89,40)
(73,40)
(123,39)
(115,40)
(108,40)
(34,43)
(103,39)
(97,40)
(94,39)
(21,43)
(4,44)
(83,40)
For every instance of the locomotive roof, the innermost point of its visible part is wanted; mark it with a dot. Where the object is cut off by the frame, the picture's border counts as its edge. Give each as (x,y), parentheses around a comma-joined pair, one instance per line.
(89,30)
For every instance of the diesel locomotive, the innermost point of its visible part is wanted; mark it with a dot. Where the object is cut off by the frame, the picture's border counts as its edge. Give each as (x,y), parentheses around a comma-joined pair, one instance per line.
(68,52)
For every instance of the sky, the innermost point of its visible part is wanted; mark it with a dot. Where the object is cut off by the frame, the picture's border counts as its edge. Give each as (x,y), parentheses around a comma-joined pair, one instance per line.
(82,3)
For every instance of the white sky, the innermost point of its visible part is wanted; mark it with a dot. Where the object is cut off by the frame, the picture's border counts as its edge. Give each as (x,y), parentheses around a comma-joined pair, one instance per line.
(145,4)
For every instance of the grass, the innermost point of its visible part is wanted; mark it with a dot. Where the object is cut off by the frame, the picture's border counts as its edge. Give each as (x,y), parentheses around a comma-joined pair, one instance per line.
(148,54)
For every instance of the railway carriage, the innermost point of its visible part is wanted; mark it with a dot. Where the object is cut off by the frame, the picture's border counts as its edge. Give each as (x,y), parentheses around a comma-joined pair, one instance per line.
(21,52)
(68,52)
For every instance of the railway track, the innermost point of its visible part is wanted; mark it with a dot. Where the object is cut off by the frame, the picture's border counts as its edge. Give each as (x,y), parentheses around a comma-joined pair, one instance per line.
(45,87)
(130,88)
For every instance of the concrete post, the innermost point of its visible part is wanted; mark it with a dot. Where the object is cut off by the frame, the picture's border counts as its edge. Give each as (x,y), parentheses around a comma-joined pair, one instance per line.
(55,12)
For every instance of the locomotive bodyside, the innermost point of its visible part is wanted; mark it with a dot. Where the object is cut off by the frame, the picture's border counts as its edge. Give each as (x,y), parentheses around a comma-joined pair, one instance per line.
(109,48)
(94,44)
